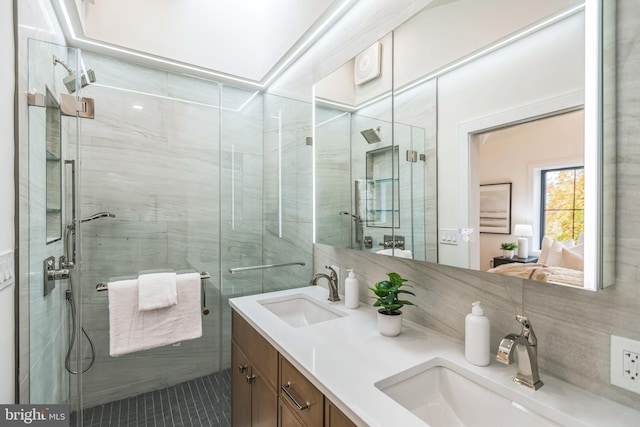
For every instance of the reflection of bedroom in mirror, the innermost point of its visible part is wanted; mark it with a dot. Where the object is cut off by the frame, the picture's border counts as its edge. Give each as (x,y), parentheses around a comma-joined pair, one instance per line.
(543,162)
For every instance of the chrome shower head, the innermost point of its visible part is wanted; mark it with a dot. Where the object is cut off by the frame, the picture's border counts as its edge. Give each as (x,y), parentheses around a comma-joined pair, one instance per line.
(85,79)
(371,135)
(70,80)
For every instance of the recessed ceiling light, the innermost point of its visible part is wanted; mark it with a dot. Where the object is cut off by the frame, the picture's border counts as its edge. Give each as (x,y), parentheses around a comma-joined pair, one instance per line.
(138,107)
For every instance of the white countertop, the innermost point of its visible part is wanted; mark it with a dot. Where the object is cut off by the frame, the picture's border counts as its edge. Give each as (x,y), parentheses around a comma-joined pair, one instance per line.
(345,357)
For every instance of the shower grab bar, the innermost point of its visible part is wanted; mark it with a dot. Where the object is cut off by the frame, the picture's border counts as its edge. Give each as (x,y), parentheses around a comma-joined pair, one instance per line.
(101,287)
(262,267)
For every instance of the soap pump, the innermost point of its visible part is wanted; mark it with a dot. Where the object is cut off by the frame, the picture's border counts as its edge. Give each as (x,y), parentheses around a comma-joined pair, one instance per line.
(477,336)
(351,292)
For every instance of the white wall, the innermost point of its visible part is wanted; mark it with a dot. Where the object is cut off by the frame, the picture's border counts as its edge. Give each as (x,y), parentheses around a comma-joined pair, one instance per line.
(7,81)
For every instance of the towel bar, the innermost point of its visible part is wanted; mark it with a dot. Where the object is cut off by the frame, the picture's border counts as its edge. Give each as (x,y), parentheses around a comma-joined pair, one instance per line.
(100,287)
(261,267)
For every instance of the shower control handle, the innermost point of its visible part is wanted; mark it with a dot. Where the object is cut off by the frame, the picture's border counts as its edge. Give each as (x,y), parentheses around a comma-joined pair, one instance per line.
(63,263)
(54,273)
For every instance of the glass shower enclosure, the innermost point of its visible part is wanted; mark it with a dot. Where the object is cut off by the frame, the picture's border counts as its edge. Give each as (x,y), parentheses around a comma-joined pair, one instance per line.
(172,173)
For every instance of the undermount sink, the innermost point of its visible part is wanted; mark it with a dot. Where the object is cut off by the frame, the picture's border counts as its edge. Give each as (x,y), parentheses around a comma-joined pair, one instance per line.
(300,310)
(443,397)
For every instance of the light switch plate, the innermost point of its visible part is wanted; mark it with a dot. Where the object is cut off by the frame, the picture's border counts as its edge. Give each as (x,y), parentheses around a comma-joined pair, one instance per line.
(624,363)
(449,236)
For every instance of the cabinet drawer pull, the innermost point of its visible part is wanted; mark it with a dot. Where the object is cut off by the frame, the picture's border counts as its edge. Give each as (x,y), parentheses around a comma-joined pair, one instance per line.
(289,392)
(250,378)
(242,368)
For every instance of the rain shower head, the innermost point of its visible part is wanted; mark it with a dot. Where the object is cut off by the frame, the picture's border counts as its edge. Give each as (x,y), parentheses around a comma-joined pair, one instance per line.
(371,135)
(70,80)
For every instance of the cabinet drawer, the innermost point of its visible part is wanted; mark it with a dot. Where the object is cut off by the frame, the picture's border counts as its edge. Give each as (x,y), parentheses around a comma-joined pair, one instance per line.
(300,395)
(262,354)
(286,417)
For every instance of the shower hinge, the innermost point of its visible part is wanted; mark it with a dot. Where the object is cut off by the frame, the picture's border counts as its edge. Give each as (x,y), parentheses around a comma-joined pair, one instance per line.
(309,140)
(412,156)
(72,106)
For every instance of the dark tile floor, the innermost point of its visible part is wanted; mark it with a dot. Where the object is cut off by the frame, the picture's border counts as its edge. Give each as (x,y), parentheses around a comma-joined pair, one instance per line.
(204,401)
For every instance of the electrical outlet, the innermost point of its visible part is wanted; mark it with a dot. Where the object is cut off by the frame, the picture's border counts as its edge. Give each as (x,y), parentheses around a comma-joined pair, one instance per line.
(630,362)
(625,363)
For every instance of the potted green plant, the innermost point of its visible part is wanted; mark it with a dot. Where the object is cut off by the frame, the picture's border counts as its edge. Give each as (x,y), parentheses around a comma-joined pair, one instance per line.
(387,296)
(508,249)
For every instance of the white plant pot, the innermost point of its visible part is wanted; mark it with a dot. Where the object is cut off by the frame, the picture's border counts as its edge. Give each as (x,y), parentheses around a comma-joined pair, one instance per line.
(508,254)
(389,325)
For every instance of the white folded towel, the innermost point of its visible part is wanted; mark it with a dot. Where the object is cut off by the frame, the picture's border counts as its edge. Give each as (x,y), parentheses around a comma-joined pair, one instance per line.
(132,330)
(156,290)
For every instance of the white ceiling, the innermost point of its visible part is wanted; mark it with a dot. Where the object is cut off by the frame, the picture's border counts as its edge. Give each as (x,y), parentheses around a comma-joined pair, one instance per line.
(246,40)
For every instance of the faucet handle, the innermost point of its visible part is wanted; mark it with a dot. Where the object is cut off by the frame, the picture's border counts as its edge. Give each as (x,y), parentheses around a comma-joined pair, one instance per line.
(527,329)
(332,272)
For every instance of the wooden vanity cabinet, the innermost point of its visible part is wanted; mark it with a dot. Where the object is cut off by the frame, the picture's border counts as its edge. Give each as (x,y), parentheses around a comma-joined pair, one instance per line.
(286,418)
(333,417)
(254,375)
(268,391)
(302,397)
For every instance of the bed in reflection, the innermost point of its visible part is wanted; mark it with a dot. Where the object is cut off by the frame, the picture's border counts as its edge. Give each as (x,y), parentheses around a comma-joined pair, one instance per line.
(559,263)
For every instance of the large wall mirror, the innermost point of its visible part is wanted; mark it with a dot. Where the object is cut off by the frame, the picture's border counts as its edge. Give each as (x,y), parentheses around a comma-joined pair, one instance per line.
(472,94)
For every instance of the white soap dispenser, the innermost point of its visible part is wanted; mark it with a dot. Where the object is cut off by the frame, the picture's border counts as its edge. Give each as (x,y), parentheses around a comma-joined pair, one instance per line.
(351,292)
(476,336)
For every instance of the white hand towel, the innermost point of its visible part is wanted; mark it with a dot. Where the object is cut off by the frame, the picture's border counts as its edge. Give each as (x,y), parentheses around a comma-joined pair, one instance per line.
(156,290)
(132,330)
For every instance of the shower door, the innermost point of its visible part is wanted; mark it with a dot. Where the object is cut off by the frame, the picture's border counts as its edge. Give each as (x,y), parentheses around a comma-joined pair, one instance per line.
(149,162)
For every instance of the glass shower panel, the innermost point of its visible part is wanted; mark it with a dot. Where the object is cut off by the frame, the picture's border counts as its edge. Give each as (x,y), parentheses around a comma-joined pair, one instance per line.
(287,192)
(415,115)
(49,136)
(333,179)
(151,159)
(241,190)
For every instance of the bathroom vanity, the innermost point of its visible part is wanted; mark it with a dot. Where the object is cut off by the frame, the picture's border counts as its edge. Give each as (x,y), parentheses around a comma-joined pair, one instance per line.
(266,389)
(300,360)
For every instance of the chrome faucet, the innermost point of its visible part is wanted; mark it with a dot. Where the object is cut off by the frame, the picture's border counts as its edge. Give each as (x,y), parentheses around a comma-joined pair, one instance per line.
(525,345)
(332,278)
